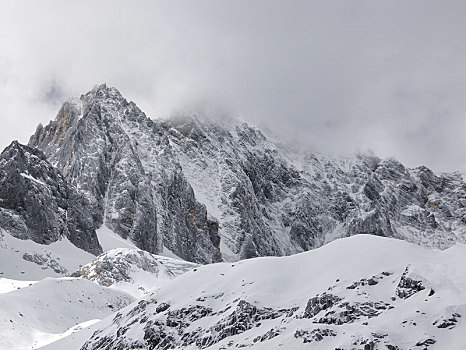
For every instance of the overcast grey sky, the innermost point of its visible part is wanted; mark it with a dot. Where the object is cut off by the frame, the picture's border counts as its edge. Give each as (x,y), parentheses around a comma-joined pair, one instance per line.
(338,76)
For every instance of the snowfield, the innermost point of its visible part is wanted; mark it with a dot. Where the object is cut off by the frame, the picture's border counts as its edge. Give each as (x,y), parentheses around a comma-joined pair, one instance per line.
(39,305)
(36,315)
(362,292)
(26,260)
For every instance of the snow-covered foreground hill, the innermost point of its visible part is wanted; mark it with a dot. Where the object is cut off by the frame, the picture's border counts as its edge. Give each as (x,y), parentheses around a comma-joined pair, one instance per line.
(39,304)
(362,292)
(38,314)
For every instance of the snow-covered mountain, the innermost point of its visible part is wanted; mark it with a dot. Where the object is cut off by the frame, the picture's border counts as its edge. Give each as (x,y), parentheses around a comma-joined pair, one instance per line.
(121,160)
(206,189)
(363,292)
(158,199)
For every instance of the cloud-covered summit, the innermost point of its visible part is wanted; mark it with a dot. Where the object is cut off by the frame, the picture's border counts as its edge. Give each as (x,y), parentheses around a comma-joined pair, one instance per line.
(335,76)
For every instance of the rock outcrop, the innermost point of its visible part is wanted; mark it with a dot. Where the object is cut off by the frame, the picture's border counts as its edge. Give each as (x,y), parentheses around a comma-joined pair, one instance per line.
(132,270)
(37,203)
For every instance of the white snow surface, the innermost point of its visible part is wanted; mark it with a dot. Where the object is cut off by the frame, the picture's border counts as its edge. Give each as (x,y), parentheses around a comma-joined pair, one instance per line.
(7,285)
(39,306)
(290,282)
(109,240)
(33,179)
(45,311)
(54,260)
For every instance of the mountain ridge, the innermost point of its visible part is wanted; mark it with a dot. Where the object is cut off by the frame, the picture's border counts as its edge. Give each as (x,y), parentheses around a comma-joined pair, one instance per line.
(195,186)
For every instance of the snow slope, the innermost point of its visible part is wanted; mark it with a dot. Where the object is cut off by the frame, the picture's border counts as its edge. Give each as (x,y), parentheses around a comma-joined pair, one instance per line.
(8,285)
(39,306)
(110,240)
(38,314)
(30,261)
(362,292)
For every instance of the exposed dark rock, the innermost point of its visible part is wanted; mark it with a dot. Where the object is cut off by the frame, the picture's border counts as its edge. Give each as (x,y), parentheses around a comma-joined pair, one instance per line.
(272,333)
(408,286)
(162,307)
(350,312)
(315,335)
(157,338)
(368,281)
(45,261)
(392,347)
(168,330)
(243,318)
(449,322)
(320,303)
(37,203)
(426,342)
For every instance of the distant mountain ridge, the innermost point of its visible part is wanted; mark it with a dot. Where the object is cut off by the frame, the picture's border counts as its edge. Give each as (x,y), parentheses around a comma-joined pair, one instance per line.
(210,190)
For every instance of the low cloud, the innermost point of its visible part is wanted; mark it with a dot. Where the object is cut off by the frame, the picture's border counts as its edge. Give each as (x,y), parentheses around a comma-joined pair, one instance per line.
(338,76)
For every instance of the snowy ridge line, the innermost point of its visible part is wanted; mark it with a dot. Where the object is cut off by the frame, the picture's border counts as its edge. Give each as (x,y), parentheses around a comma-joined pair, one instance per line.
(408,297)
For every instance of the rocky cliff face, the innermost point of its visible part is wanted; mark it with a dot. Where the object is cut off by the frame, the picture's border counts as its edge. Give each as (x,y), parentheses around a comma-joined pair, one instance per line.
(270,201)
(123,163)
(198,187)
(382,197)
(37,203)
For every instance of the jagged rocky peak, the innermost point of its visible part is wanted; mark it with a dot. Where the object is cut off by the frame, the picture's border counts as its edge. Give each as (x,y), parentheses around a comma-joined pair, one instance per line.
(102,91)
(208,188)
(271,202)
(37,203)
(123,163)
(72,111)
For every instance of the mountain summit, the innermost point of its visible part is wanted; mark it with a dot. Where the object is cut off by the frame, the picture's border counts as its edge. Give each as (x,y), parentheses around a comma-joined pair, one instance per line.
(208,191)
(103,177)
(121,160)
